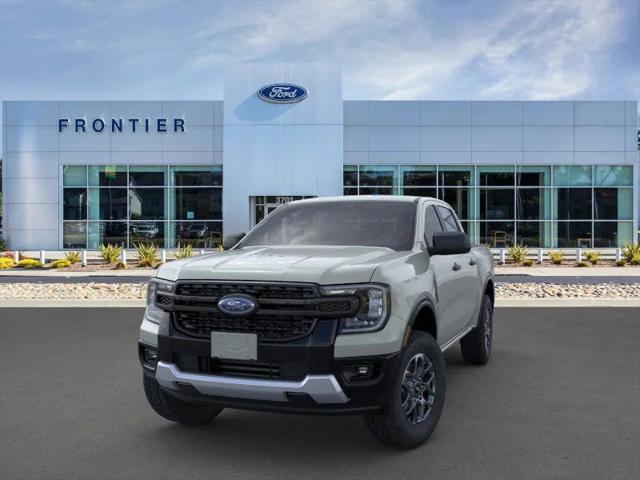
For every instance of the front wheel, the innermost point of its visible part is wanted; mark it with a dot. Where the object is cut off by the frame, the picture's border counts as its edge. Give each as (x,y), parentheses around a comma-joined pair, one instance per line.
(416,400)
(176,410)
(476,345)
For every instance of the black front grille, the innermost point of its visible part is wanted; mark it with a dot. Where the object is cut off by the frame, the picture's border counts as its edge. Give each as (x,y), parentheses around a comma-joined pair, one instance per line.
(285,312)
(229,368)
(268,327)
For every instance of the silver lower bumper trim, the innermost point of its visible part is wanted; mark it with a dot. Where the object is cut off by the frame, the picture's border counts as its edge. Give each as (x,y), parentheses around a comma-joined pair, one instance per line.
(322,388)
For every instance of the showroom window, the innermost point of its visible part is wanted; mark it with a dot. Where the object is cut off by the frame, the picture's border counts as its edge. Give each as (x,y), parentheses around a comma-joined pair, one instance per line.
(151,204)
(499,205)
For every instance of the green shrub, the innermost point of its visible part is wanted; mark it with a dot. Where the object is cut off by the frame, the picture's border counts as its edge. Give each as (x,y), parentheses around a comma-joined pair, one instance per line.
(61,263)
(220,248)
(631,252)
(582,263)
(29,263)
(527,263)
(635,261)
(556,256)
(621,263)
(6,262)
(110,253)
(592,256)
(147,254)
(73,257)
(185,251)
(518,253)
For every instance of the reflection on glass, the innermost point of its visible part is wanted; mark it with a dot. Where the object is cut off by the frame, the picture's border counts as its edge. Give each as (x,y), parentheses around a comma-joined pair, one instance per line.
(420,191)
(459,199)
(574,203)
(574,234)
(613,203)
(377,191)
(107,204)
(108,176)
(378,175)
(146,176)
(74,175)
(74,235)
(350,176)
(350,191)
(496,204)
(196,176)
(146,203)
(197,234)
(74,204)
(496,234)
(496,175)
(534,234)
(572,175)
(455,175)
(616,175)
(197,203)
(107,232)
(533,175)
(533,203)
(612,234)
(418,175)
(146,233)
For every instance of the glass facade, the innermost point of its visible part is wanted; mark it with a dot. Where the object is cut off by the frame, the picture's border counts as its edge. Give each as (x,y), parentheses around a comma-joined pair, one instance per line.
(129,205)
(559,206)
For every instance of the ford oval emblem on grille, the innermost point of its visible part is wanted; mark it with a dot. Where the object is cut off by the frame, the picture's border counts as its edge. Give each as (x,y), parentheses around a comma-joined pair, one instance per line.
(236,305)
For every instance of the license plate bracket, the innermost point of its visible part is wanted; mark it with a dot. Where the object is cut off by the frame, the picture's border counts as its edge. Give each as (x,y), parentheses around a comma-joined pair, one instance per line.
(234,346)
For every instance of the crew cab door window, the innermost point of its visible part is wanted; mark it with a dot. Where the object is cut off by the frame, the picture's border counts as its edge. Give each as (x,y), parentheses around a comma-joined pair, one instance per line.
(431,224)
(449,222)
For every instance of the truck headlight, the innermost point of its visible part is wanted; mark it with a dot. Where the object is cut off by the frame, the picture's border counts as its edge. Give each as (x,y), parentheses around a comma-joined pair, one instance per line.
(374,307)
(153,312)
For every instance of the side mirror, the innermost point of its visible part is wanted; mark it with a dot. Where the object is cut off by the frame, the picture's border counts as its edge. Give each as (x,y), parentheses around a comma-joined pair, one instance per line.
(231,240)
(449,243)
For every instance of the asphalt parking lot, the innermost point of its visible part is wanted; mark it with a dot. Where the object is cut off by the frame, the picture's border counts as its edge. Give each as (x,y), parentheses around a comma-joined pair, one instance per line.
(558,400)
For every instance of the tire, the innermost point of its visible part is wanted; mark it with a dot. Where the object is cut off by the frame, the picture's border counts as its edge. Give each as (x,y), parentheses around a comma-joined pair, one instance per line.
(476,345)
(176,410)
(391,425)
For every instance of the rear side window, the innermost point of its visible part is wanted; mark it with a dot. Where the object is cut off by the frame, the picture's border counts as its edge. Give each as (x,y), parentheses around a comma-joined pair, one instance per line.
(449,222)
(431,224)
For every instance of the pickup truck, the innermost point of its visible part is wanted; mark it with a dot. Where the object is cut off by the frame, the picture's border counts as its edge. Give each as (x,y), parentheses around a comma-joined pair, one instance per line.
(329,305)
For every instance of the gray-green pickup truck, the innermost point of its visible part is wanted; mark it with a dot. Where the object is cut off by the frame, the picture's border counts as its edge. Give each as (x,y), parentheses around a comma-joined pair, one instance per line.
(331,305)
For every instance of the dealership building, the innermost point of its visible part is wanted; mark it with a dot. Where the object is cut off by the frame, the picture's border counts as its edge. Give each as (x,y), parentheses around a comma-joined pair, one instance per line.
(80,173)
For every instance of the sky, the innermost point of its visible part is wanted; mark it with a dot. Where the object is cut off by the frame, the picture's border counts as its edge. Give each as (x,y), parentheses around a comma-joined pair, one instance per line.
(452,49)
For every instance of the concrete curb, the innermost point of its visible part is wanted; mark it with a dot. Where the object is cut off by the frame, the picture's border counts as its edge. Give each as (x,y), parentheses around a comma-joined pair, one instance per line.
(568,302)
(500,303)
(569,271)
(79,303)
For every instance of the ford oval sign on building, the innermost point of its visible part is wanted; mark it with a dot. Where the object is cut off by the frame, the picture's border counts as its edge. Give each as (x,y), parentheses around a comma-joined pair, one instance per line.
(283,93)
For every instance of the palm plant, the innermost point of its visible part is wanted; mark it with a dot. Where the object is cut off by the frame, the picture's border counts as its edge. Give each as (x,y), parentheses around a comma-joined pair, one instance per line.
(518,253)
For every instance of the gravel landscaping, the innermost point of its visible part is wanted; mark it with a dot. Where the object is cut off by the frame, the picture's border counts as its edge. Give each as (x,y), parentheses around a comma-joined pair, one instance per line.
(134,291)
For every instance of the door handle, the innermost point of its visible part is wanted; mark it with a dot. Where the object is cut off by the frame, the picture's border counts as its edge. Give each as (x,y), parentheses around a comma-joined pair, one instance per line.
(456,267)
(473,262)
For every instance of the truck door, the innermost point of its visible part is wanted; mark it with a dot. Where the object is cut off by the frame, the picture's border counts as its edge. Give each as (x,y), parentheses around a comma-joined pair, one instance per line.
(455,276)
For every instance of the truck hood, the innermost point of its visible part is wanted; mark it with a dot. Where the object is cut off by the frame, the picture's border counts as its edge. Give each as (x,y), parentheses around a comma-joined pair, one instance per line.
(322,265)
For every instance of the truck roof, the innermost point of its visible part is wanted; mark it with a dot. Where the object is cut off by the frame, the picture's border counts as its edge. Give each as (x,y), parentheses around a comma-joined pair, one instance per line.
(365,198)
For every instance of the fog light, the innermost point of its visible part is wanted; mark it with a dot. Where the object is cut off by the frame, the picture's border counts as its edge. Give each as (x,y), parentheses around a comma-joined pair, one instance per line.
(358,373)
(150,357)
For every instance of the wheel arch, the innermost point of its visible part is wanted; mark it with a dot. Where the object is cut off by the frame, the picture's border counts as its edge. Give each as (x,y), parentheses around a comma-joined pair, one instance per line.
(424,319)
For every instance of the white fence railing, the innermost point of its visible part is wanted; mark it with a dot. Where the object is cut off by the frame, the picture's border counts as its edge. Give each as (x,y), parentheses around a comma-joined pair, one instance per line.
(541,255)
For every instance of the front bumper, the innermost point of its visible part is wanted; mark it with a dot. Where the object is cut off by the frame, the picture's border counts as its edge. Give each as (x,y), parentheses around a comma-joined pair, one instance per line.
(322,389)
(302,376)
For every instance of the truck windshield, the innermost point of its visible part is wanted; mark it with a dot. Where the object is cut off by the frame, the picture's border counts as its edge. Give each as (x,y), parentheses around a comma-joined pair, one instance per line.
(363,223)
